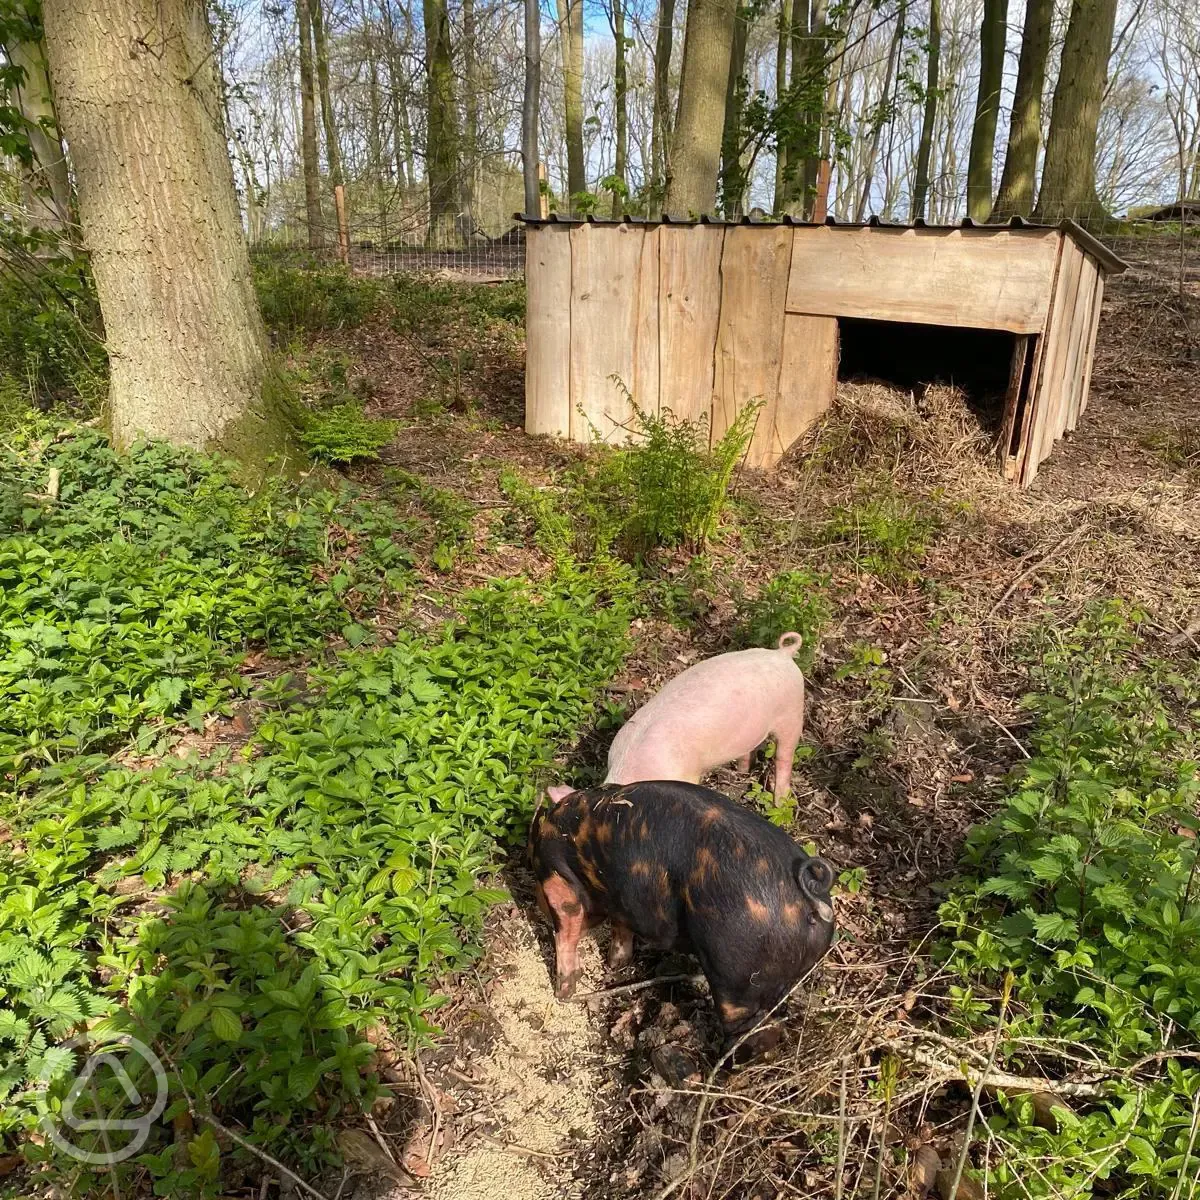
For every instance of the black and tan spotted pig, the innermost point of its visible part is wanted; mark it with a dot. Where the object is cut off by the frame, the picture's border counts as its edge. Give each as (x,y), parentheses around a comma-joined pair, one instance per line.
(684,868)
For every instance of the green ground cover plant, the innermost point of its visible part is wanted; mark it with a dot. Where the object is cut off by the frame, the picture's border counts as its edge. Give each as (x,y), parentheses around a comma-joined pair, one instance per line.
(1083,890)
(258,913)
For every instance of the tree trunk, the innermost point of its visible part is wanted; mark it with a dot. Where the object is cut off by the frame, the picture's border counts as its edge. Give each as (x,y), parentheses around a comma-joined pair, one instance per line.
(570,26)
(660,133)
(621,107)
(1069,172)
(333,155)
(992,34)
(470,154)
(781,75)
(45,183)
(1015,198)
(531,107)
(929,116)
(308,130)
(140,108)
(441,134)
(877,130)
(733,174)
(376,165)
(696,146)
(808,96)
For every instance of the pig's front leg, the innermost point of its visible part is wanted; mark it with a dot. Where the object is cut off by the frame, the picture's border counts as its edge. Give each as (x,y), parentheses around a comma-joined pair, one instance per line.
(566,908)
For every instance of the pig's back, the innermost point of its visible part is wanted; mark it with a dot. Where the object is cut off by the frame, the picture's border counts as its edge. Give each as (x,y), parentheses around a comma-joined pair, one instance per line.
(697,708)
(688,866)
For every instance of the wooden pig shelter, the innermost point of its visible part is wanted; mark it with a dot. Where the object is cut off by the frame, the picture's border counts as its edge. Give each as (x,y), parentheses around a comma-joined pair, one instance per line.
(704,317)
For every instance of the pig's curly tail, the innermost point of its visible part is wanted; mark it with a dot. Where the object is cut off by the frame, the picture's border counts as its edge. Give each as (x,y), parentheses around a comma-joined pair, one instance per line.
(814,876)
(789,643)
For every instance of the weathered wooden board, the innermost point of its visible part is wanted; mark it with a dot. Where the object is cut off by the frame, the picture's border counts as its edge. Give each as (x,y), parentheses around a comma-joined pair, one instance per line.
(1013,397)
(754,281)
(1023,465)
(645,382)
(1081,323)
(1093,330)
(548,330)
(1086,315)
(974,279)
(1055,378)
(605,268)
(689,291)
(807,384)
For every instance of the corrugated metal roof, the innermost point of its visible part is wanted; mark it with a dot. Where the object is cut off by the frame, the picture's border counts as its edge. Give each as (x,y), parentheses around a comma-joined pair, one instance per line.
(1112,263)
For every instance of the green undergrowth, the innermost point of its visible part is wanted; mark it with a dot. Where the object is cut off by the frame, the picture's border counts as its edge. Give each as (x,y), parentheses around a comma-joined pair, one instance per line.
(257,913)
(665,489)
(1083,891)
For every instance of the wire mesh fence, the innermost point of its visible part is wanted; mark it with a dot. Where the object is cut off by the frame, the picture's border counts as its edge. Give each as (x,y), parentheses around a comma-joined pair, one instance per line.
(389,230)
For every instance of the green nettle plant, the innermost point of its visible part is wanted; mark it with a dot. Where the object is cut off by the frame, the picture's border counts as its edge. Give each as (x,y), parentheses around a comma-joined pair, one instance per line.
(258,916)
(791,601)
(1084,885)
(665,489)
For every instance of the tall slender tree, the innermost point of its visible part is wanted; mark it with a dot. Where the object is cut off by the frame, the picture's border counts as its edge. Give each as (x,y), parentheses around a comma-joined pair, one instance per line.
(1069,172)
(570,32)
(620,110)
(1015,197)
(893,60)
(441,127)
(929,112)
(470,149)
(992,33)
(696,145)
(531,107)
(783,39)
(660,135)
(137,97)
(333,155)
(45,181)
(308,129)
(733,173)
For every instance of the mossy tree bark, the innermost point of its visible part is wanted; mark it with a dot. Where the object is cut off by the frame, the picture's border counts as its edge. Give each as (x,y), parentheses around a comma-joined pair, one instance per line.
(733,172)
(621,109)
(696,144)
(1015,197)
(441,132)
(570,20)
(1069,173)
(660,130)
(992,35)
(140,108)
(929,115)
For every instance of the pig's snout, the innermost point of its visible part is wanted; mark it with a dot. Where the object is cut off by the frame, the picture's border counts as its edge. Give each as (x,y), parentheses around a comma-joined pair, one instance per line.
(814,878)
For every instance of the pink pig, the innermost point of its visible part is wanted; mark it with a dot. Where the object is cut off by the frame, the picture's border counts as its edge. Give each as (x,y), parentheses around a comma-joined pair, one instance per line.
(717,711)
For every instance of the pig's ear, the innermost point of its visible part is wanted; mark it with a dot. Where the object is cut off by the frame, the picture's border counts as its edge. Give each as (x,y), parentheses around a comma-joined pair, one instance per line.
(558,792)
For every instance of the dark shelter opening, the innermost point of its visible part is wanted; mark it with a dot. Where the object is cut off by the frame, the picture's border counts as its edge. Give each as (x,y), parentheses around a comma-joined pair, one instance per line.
(910,356)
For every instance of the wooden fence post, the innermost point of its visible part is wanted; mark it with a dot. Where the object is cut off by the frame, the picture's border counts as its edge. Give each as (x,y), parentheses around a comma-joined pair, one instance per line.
(339,200)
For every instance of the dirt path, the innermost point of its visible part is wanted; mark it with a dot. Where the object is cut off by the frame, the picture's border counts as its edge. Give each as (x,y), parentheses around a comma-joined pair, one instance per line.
(535,1108)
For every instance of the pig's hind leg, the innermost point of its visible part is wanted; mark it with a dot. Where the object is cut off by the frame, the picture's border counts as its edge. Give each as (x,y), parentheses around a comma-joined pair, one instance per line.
(565,903)
(787,738)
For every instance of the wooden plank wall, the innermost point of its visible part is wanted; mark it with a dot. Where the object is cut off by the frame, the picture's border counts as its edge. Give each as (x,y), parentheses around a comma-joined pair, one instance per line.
(998,280)
(702,319)
(548,330)
(1069,344)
